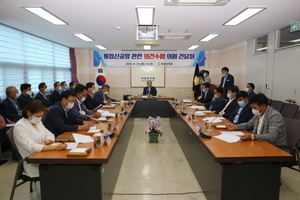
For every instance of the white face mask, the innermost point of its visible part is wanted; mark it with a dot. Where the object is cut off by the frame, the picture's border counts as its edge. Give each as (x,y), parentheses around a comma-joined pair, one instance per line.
(215,96)
(70,106)
(106,92)
(247,89)
(60,88)
(256,112)
(17,95)
(35,120)
(82,99)
(29,93)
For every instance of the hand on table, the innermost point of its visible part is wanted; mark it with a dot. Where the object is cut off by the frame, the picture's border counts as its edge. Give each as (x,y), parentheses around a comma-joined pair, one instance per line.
(96,115)
(246,136)
(60,147)
(230,126)
(86,126)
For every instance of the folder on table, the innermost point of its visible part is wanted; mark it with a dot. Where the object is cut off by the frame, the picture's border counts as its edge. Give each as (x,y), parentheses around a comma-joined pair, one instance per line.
(79,152)
(65,138)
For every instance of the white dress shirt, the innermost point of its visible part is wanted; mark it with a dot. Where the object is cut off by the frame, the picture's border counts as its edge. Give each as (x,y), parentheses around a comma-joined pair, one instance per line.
(27,138)
(260,123)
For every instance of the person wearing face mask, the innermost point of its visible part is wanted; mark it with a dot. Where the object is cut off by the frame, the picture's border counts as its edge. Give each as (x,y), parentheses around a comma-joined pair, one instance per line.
(101,96)
(31,136)
(72,85)
(218,101)
(89,102)
(63,86)
(41,95)
(267,124)
(232,102)
(205,78)
(243,112)
(10,106)
(227,79)
(60,120)
(149,90)
(25,97)
(79,110)
(207,94)
(55,96)
(249,88)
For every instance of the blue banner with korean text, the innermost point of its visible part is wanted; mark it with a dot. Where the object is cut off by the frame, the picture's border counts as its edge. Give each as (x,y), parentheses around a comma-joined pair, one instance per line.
(148,58)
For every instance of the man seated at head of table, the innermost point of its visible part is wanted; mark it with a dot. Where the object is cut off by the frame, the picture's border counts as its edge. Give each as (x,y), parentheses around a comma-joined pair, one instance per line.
(149,90)
(218,101)
(207,94)
(232,102)
(60,120)
(101,96)
(266,125)
(243,112)
(79,110)
(31,136)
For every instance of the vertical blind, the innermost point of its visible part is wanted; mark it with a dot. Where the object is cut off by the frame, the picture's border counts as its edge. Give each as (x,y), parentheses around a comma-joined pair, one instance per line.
(25,58)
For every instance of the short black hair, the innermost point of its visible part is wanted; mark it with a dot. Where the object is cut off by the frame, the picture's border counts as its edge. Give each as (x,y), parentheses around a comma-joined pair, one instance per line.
(206,85)
(55,84)
(233,88)
(225,69)
(89,85)
(34,106)
(71,83)
(206,71)
(24,86)
(63,82)
(41,85)
(219,90)
(242,94)
(79,88)
(260,99)
(66,94)
(105,86)
(251,85)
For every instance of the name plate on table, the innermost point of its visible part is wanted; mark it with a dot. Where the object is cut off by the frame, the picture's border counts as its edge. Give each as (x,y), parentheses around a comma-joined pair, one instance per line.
(188,116)
(116,126)
(198,127)
(145,96)
(107,141)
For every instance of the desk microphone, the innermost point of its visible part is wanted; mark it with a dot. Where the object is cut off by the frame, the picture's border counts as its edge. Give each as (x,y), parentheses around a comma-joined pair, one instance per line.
(93,119)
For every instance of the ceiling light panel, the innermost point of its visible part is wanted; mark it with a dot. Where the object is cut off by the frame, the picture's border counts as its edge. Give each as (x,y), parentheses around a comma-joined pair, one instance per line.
(145,15)
(193,47)
(83,37)
(244,15)
(101,47)
(209,37)
(195,2)
(46,15)
(175,36)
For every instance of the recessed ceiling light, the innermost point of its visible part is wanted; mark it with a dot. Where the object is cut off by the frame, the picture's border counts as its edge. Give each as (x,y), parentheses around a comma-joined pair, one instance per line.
(41,12)
(83,37)
(193,47)
(244,15)
(101,47)
(147,47)
(145,15)
(297,40)
(209,37)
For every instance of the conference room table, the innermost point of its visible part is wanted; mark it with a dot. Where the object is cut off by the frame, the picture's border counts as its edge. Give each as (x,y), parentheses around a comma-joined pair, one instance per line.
(225,171)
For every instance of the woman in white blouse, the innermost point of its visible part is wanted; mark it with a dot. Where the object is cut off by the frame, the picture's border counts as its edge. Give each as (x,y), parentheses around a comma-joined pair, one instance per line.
(31,136)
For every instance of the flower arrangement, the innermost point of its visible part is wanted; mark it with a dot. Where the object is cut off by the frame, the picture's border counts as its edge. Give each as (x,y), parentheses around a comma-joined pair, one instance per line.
(154,129)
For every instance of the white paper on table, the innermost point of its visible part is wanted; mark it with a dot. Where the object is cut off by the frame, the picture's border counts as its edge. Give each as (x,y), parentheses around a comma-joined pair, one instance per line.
(207,111)
(94,131)
(102,119)
(70,145)
(228,138)
(79,150)
(198,107)
(199,113)
(101,111)
(213,119)
(82,138)
(186,100)
(233,132)
(92,128)
(107,114)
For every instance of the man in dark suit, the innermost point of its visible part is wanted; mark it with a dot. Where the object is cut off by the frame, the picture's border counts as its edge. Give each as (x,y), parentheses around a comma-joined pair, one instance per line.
(218,101)
(55,96)
(232,102)
(149,90)
(227,79)
(25,97)
(243,112)
(249,88)
(89,102)
(10,106)
(207,94)
(101,96)
(42,96)
(72,85)
(59,119)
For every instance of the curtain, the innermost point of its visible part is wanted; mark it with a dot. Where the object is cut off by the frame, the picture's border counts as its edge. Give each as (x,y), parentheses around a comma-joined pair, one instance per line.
(73,65)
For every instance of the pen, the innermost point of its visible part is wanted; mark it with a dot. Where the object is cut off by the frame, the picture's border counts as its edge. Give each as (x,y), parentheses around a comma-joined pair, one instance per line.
(62,142)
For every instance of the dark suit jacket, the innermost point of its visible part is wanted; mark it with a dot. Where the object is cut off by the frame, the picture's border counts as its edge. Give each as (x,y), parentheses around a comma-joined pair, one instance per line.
(46,102)
(24,100)
(245,115)
(57,122)
(229,109)
(75,112)
(251,94)
(229,81)
(207,98)
(153,91)
(55,96)
(90,102)
(9,110)
(218,104)
(99,98)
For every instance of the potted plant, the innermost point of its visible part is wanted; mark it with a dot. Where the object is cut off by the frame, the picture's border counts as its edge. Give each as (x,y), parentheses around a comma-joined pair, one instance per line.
(154,129)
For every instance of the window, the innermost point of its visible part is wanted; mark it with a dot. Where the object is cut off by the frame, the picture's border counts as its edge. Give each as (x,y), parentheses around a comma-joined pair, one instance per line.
(287,38)
(261,44)
(29,59)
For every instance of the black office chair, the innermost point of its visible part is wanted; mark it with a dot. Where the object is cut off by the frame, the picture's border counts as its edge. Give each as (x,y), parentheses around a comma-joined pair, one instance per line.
(277,105)
(293,140)
(269,101)
(45,114)
(20,169)
(289,110)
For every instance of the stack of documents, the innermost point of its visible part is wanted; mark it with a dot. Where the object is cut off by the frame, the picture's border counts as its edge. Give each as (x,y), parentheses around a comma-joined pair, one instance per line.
(105,113)
(82,138)
(198,107)
(213,119)
(230,136)
(187,101)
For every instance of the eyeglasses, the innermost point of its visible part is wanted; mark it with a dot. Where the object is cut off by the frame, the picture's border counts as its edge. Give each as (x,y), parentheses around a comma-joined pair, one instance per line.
(71,101)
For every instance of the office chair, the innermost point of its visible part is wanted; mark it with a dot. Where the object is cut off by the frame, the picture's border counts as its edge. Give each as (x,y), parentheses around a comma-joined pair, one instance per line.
(289,110)
(19,172)
(277,105)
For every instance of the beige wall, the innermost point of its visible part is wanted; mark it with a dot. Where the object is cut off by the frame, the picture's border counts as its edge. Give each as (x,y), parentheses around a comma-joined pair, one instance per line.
(178,80)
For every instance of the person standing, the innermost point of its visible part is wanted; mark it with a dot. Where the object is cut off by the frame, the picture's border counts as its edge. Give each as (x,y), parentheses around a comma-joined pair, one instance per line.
(227,79)
(249,88)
